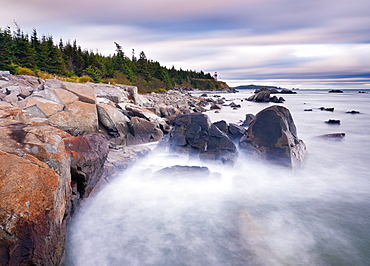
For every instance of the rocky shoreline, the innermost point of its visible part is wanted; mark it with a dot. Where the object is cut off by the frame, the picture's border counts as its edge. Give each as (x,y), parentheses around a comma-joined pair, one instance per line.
(59,140)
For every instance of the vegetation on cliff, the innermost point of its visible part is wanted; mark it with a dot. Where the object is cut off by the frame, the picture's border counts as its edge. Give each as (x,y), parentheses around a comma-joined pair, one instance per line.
(34,55)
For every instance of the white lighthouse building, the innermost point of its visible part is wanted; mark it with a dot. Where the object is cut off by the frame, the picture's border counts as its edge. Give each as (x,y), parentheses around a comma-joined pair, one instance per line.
(215,76)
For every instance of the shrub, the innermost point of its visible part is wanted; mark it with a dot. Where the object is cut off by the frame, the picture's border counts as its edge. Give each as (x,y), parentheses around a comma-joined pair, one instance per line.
(23,71)
(44,75)
(121,78)
(109,81)
(85,79)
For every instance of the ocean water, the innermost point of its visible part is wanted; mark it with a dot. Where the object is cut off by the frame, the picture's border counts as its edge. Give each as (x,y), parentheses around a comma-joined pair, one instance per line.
(252,213)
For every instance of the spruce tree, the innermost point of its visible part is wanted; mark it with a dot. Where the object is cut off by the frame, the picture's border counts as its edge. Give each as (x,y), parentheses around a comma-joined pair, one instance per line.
(25,55)
(6,44)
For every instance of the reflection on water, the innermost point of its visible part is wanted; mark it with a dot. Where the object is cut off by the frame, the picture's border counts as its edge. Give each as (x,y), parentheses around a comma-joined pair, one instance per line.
(249,214)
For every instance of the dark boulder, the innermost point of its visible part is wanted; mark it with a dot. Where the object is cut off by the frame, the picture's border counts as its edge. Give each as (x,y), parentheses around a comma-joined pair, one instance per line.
(236,132)
(215,107)
(335,91)
(194,133)
(273,136)
(222,125)
(275,99)
(233,131)
(142,131)
(271,90)
(234,105)
(332,121)
(287,91)
(260,97)
(353,112)
(248,119)
(330,109)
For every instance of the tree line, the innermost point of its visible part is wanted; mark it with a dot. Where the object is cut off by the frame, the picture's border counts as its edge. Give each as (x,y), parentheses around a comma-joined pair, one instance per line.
(21,53)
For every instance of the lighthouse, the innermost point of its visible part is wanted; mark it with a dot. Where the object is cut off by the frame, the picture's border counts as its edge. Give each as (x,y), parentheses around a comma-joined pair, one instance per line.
(215,76)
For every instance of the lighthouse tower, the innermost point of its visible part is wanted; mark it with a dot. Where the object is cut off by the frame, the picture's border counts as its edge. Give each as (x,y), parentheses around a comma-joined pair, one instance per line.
(215,76)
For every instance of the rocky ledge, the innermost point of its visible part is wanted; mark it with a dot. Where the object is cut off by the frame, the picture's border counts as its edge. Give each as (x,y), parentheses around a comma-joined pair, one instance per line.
(59,141)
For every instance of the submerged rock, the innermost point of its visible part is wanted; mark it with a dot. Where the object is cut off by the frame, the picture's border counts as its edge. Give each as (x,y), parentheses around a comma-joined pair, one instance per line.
(333,136)
(181,171)
(353,112)
(332,121)
(330,109)
(273,136)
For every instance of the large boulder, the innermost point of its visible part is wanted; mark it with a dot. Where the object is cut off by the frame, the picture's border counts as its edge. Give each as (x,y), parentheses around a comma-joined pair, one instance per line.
(25,81)
(260,97)
(115,123)
(8,111)
(35,193)
(134,96)
(60,96)
(84,92)
(88,154)
(47,107)
(111,92)
(195,133)
(148,115)
(273,135)
(143,131)
(233,131)
(77,118)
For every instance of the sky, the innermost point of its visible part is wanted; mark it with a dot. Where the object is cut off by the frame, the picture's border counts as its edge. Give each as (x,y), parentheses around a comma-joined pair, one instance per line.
(285,43)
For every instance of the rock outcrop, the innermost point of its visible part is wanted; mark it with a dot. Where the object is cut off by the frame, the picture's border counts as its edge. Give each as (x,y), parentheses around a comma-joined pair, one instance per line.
(60,140)
(35,193)
(273,136)
(54,150)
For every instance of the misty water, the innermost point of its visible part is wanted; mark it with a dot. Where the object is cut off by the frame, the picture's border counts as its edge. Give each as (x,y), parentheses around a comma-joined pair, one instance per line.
(252,213)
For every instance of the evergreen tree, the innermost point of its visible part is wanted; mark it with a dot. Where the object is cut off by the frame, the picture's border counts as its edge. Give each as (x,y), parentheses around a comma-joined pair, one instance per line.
(25,55)
(18,49)
(6,44)
(52,57)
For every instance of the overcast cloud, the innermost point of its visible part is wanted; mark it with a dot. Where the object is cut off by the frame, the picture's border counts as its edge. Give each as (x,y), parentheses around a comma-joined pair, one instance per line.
(291,43)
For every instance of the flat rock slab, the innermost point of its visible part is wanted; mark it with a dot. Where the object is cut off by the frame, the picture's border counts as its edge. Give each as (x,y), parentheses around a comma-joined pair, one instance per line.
(84,92)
